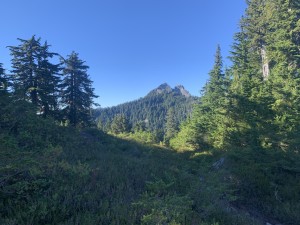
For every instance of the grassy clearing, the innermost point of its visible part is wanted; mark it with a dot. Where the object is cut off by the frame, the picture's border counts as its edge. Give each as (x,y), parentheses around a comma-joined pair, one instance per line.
(89,177)
(57,175)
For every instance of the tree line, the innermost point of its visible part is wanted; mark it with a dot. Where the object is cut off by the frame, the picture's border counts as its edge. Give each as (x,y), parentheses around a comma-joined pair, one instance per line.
(250,112)
(150,113)
(255,103)
(61,90)
(140,130)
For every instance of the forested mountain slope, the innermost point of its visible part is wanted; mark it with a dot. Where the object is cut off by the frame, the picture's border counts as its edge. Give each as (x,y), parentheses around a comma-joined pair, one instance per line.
(151,109)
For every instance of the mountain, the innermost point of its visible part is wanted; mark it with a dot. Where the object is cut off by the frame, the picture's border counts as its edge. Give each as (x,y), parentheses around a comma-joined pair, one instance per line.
(151,109)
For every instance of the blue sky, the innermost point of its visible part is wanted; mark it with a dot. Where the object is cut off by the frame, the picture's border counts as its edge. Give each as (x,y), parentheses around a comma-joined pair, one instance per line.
(131,46)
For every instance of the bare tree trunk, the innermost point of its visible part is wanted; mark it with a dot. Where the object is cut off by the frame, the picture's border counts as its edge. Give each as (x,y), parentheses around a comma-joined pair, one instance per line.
(265,63)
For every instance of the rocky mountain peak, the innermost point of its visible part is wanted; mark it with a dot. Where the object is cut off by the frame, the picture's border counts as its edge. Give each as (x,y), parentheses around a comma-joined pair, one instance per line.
(163,88)
(166,88)
(182,90)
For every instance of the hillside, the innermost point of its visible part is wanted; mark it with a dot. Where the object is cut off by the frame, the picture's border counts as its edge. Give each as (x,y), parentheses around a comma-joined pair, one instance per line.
(51,174)
(59,175)
(152,108)
(234,161)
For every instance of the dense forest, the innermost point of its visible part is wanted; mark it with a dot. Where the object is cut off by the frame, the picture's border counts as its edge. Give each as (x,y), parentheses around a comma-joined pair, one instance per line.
(234,158)
(150,112)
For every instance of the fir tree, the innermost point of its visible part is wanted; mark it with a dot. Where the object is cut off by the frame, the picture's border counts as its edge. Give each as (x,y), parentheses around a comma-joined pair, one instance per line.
(77,92)
(35,79)
(283,44)
(24,66)
(48,75)
(208,115)
(3,80)
(140,126)
(120,124)
(171,126)
(246,80)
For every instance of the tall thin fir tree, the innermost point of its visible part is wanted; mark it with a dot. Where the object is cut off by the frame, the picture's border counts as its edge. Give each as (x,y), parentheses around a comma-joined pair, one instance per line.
(171,128)
(77,93)
(208,116)
(246,80)
(207,126)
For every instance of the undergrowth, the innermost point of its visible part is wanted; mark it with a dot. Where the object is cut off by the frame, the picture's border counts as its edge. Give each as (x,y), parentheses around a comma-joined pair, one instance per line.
(51,174)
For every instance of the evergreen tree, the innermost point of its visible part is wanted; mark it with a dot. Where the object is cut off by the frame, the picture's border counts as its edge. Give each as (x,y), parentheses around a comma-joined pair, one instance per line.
(266,48)
(283,46)
(48,75)
(209,115)
(140,126)
(35,79)
(77,92)
(24,66)
(171,126)
(3,80)
(245,86)
(120,124)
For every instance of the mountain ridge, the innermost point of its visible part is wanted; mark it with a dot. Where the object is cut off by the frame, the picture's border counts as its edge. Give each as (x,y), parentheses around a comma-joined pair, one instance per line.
(153,108)
(165,87)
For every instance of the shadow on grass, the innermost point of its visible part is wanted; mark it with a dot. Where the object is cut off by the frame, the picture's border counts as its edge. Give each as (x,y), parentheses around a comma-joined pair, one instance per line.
(89,177)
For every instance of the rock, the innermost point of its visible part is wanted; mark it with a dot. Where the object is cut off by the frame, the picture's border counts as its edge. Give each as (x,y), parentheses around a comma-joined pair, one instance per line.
(219,163)
(181,90)
(163,88)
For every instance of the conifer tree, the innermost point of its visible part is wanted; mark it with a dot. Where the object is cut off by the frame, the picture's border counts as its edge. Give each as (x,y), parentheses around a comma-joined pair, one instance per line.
(77,92)
(171,126)
(207,126)
(3,81)
(140,126)
(264,90)
(48,76)
(120,124)
(246,80)
(35,79)
(24,66)
(283,44)
(208,115)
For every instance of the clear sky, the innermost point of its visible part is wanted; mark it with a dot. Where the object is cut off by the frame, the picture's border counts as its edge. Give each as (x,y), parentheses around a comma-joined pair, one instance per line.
(131,46)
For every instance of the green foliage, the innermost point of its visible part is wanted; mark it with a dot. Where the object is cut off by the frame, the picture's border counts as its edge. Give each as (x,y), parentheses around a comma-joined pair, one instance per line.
(151,110)
(266,181)
(253,113)
(145,137)
(119,124)
(51,174)
(140,126)
(35,78)
(183,140)
(77,92)
(171,126)
(3,80)
(206,126)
